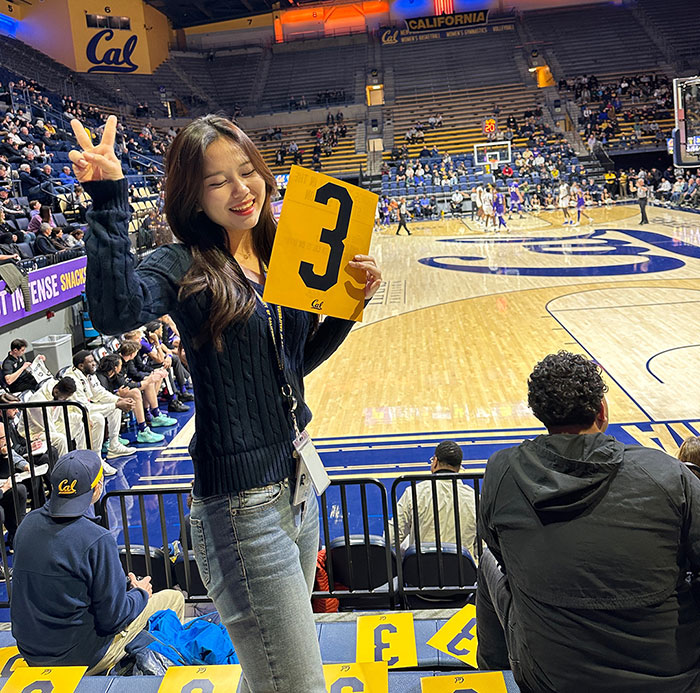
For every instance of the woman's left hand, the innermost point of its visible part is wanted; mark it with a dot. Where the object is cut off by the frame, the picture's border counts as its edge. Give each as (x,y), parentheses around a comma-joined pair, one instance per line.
(373,274)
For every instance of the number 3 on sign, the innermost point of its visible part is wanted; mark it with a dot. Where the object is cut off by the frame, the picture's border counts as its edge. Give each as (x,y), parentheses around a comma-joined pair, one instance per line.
(324,223)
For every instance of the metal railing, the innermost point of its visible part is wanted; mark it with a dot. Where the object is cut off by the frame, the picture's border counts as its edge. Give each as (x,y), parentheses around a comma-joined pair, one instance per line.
(31,422)
(364,561)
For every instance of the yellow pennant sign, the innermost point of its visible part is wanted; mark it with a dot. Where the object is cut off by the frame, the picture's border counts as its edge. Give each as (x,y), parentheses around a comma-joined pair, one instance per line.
(324,223)
(389,638)
(44,679)
(458,636)
(483,682)
(367,677)
(10,659)
(219,678)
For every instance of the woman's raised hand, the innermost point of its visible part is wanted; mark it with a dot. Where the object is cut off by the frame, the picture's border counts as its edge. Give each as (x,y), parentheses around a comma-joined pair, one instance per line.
(98,162)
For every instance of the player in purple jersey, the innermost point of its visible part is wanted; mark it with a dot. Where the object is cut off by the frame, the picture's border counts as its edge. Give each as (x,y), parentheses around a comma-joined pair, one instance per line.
(516,199)
(577,194)
(499,207)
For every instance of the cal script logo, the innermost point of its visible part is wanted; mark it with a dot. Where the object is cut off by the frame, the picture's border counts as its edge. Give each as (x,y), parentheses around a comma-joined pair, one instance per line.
(113,59)
(316,304)
(390,36)
(66,488)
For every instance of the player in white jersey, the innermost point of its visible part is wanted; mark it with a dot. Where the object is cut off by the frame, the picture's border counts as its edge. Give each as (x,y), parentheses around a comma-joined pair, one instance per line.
(480,203)
(487,206)
(564,201)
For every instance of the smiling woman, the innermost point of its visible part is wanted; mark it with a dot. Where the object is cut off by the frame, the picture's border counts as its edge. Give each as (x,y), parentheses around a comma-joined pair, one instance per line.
(255,542)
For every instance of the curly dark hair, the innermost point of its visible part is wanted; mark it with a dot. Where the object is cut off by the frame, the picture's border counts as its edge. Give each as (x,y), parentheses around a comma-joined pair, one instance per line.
(565,389)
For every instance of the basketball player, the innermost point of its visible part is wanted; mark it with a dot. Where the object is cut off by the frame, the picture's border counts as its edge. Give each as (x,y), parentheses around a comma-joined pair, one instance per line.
(499,206)
(487,205)
(564,201)
(577,194)
(516,199)
(480,204)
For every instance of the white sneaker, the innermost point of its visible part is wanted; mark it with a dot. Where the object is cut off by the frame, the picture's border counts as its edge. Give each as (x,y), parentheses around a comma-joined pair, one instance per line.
(118,450)
(108,469)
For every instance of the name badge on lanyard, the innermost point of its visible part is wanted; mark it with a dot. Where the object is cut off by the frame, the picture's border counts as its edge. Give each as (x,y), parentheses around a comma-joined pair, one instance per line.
(310,469)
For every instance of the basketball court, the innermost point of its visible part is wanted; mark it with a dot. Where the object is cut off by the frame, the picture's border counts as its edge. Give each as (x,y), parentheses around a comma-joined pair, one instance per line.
(463,315)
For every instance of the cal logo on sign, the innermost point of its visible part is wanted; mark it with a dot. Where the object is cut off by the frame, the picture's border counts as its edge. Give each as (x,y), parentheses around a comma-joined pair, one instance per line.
(44,680)
(113,59)
(324,223)
(219,678)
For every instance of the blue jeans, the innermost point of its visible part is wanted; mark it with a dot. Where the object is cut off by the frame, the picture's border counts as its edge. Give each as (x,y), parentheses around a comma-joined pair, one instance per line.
(256,553)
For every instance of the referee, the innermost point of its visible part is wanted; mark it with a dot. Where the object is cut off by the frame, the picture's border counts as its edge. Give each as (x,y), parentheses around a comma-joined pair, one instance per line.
(642,193)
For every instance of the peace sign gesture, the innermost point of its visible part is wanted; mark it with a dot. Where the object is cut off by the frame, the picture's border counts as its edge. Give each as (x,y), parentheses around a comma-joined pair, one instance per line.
(96,162)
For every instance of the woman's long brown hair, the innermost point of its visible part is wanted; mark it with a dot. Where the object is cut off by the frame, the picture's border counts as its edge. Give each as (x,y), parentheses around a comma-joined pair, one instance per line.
(213,269)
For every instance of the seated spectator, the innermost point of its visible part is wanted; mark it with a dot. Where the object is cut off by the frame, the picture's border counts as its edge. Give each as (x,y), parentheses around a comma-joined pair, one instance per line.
(109,373)
(589,544)
(57,239)
(15,368)
(161,355)
(54,428)
(44,216)
(10,515)
(10,207)
(104,408)
(689,454)
(22,452)
(71,603)
(446,460)
(43,244)
(148,381)
(74,239)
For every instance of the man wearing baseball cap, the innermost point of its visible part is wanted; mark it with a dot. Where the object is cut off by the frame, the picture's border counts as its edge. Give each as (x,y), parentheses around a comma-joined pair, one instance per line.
(70,602)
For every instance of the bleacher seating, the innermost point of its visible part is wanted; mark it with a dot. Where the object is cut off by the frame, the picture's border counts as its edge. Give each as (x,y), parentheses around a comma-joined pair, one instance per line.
(344,159)
(327,65)
(678,24)
(594,39)
(454,65)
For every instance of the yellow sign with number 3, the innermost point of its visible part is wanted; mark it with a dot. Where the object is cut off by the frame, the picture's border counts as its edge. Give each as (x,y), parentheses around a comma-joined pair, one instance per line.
(218,678)
(389,638)
(458,636)
(324,223)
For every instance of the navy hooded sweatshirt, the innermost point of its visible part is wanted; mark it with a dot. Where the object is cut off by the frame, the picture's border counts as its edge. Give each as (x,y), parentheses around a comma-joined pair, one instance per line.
(69,596)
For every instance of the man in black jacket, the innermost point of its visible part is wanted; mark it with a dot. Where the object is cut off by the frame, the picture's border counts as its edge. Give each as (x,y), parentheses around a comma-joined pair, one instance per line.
(590,547)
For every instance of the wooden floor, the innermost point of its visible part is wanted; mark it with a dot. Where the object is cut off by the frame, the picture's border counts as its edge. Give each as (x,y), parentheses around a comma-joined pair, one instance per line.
(464,315)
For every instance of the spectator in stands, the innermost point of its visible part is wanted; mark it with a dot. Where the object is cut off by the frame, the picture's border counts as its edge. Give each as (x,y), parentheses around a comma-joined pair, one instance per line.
(22,452)
(689,454)
(218,191)
(149,382)
(74,239)
(104,408)
(57,239)
(44,216)
(71,604)
(446,460)
(43,244)
(11,207)
(589,543)
(162,356)
(10,514)
(60,390)
(456,203)
(109,374)
(15,368)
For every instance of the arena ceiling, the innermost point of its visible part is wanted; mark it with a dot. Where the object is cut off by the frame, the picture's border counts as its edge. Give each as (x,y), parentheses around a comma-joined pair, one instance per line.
(183,14)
